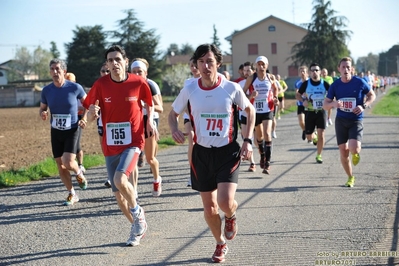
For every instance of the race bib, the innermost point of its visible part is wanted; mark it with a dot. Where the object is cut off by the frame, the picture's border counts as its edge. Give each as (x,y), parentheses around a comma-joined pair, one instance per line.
(61,121)
(214,125)
(348,104)
(260,105)
(318,100)
(118,133)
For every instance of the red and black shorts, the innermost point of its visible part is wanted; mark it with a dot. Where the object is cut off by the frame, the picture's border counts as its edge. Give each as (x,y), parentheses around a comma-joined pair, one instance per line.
(211,166)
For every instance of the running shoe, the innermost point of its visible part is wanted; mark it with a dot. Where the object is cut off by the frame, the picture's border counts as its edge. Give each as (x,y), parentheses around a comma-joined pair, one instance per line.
(278,117)
(138,229)
(355,158)
(133,239)
(230,227)
(82,168)
(266,170)
(157,188)
(303,135)
(140,162)
(329,122)
(319,159)
(350,182)
(314,140)
(220,252)
(189,182)
(71,199)
(107,184)
(82,181)
(139,225)
(274,135)
(252,168)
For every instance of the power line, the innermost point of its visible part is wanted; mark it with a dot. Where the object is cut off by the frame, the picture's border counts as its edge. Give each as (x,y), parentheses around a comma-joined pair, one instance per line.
(16,45)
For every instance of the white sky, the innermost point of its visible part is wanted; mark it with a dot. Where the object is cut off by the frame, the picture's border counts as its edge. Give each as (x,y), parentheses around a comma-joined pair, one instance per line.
(38,22)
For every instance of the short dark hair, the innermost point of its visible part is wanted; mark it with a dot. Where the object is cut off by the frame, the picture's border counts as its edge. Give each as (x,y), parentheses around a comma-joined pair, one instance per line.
(241,67)
(314,65)
(205,48)
(115,48)
(249,64)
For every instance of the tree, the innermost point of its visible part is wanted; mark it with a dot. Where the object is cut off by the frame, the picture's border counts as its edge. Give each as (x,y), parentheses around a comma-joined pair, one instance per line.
(367,63)
(172,50)
(54,50)
(21,65)
(325,41)
(27,64)
(138,42)
(175,77)
(40,64)
(215,38)
(387,63)
(85,54)
(187,49)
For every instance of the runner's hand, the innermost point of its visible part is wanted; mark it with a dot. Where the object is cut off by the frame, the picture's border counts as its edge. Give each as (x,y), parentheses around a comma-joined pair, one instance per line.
(246,151)
(179,136)
(94,109)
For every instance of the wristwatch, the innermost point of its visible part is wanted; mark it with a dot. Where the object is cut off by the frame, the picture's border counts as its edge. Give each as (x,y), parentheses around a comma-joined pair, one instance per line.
(364,106)
(248,140)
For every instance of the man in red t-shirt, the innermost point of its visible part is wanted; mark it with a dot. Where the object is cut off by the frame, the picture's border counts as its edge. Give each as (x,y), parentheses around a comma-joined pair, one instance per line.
(119,96)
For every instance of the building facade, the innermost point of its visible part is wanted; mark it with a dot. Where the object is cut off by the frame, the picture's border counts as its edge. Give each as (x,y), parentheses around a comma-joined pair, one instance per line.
(271,37)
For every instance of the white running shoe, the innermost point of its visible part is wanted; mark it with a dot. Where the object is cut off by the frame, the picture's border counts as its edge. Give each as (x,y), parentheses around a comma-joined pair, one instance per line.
(274,135)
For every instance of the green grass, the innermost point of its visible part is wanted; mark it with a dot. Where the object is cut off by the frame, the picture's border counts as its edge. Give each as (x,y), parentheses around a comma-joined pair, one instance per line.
(48,167)
(388,105)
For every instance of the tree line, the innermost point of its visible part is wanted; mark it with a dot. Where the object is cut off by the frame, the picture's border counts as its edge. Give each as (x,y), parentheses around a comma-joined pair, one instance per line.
(324,43)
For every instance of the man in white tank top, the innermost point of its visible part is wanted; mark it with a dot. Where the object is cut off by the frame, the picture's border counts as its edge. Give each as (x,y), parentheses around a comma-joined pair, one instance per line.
(212,103)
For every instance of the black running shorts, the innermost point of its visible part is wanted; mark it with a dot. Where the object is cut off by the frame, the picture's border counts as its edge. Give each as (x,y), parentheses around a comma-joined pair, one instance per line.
(211,166)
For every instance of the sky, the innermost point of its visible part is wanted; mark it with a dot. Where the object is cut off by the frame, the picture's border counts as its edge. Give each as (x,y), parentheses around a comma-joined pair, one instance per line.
(30,23)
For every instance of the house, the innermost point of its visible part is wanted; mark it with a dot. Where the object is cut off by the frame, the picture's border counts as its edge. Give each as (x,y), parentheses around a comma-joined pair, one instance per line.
(3,72)
(271,37)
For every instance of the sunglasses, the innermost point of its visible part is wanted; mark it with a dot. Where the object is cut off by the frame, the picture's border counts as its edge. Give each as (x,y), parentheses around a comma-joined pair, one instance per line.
(104,71)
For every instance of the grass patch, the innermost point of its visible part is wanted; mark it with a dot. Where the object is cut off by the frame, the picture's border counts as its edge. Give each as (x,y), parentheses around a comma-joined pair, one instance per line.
(48,167)
(388,105)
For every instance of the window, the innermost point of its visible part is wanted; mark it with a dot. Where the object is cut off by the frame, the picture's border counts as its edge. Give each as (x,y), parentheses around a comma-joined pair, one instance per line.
(253,49)
(272,28)
(274,48)
(275,70)
(293,71)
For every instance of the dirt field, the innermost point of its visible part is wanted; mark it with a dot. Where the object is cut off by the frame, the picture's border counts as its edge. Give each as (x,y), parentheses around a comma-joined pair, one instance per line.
(25,138)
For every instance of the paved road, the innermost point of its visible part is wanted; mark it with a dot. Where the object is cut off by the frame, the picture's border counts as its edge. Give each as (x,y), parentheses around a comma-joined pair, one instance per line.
(301,214)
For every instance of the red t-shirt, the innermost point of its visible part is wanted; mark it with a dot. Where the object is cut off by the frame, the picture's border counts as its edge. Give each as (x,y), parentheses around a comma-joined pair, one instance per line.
(121,111)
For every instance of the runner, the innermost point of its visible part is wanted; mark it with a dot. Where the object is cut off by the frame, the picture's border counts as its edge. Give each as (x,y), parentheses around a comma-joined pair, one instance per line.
(119,97)
(264,99)
(62,97)
(312,93)
(301,112)
(140,67)
(212,105)
(187,123)
(349,93)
